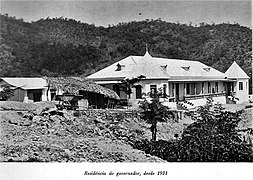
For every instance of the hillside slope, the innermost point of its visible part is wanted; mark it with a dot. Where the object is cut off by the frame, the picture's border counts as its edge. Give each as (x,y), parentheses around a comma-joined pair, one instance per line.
(62,46)
(31,134)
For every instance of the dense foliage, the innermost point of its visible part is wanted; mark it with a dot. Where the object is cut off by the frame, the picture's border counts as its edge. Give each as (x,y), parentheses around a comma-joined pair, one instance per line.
(212,138)
(62,46)
(6,92)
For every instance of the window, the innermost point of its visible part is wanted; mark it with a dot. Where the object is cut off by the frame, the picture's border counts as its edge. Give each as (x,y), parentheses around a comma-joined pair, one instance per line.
(232,87)
(116,88)
(209,87)
(203,87)
(164,90)
(186,68)
(138,92)
(224,86)
(190,89)
(173,88)
(207,69)
(53,94)
(164,67)
(193,89)
(153,90)
(216,87)
(119,67)
(240,85)
(187,88)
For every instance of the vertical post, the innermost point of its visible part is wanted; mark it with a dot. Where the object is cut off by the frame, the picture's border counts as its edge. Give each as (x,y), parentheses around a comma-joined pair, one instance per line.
(49,96)
(48,93)
(44,96)
(203,86)
(195,89)
(174,90)
(184,89)
(26,97)
(96,101)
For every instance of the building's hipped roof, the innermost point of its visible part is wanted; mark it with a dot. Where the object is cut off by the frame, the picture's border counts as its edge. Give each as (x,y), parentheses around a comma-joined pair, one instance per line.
(235,71)
(157,68)
(187,69)
(73,85)
(131,67)
(26,83)
(147,67)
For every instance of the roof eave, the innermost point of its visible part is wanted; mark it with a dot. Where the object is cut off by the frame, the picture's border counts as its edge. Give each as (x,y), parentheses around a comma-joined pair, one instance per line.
(106,78)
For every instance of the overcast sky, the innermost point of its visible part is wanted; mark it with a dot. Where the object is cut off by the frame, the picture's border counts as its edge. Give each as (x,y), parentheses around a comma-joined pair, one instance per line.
(102,13)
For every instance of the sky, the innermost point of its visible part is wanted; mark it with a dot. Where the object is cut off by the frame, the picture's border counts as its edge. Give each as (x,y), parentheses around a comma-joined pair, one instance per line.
(103,13)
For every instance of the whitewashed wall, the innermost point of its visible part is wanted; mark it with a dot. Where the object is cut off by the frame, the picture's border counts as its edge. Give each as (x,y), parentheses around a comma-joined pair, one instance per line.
(243,95)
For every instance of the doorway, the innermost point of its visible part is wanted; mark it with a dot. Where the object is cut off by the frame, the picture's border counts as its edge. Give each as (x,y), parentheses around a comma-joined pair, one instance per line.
(177,91)
(35,95)
(230,88)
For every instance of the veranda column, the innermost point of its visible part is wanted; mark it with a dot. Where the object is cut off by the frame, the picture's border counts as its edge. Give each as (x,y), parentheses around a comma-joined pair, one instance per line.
(184,89)
(195,89)
(174,90)
(26,97)
(44,96)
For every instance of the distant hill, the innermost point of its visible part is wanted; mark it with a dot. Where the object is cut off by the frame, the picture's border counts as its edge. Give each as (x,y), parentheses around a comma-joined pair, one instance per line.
(62,46)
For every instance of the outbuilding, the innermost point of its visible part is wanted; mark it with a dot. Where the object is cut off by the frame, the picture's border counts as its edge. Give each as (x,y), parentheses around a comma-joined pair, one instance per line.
(26,89)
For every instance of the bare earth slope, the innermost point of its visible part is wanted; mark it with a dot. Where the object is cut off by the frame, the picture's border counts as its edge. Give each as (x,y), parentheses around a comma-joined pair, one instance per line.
(29,133)
(27,136)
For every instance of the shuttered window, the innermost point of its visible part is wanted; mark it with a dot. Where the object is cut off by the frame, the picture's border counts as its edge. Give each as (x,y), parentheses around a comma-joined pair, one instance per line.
(240,85)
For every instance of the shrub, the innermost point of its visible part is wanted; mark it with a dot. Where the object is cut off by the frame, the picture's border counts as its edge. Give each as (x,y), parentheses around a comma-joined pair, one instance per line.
(212,138)
(6,92)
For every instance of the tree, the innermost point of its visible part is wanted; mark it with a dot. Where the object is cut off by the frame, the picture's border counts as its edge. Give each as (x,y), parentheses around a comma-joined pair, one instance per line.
(213,137)
(128,84)
(6,92)
(154,111)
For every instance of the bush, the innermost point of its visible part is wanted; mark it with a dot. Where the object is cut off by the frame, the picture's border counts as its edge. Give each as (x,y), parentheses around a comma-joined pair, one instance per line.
(166,150)
(212,138)
(6,92)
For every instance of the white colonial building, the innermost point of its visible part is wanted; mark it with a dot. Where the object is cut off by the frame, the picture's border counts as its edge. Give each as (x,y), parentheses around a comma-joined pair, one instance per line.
(182,81)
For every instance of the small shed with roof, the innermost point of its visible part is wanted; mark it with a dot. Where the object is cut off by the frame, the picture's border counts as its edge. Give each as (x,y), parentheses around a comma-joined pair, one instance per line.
(96,95)
(46,88)
(26,89)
